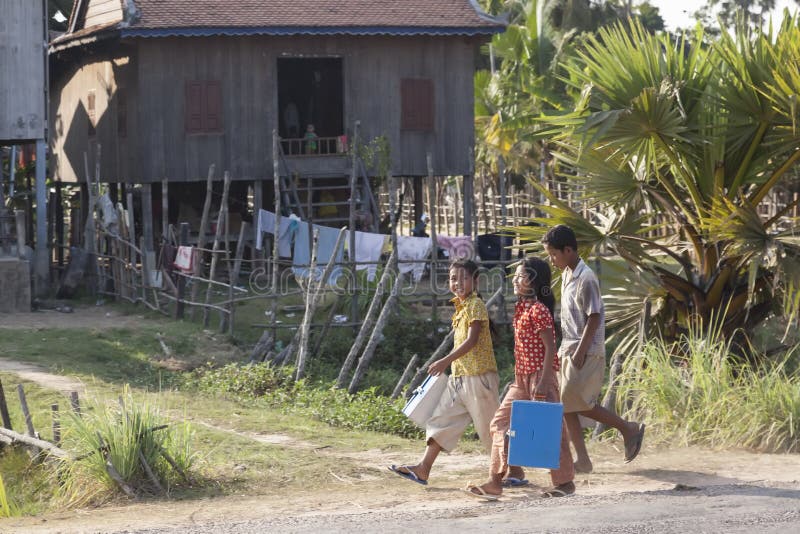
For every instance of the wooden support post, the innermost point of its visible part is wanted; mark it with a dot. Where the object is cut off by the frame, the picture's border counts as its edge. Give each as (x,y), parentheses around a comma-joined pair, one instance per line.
(276,184)
(19,219)
(406,375)
(74,402)
(468,194)
(25,412)
(4,415)
(215,248)
(147,217)
(419,205)
(56,424)
(237,263)
(262,347)
(374,338)
(59,220)
(369,320)
(131,251)
(434,278)
(150,473)
(201,236)
(304,328)
(165,210)
(180,306)
(354,289)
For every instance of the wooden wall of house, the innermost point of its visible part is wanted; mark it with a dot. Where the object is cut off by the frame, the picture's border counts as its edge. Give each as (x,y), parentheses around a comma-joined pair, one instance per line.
(22,70)
(157,142)
(103,79)
(99,12)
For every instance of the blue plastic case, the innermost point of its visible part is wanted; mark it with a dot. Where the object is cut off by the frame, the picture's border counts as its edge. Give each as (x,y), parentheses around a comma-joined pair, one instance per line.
(535,434)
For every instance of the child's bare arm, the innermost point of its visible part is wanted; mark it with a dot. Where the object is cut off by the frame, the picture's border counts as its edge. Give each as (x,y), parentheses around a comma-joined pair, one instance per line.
(474,332)
(541,391)
(592,324)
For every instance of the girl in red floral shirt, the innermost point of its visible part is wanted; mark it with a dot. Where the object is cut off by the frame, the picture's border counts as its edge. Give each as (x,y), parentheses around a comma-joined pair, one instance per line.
(535,378)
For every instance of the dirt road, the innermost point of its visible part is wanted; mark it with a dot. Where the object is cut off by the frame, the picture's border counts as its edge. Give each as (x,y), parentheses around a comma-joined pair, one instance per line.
(667,489)
(672,489)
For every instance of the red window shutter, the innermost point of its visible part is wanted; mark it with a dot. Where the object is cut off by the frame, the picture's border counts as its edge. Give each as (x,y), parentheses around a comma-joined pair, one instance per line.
(194,107)
(213,107)
(416,96)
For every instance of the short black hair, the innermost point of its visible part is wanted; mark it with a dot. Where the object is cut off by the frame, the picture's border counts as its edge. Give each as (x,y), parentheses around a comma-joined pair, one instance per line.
(468,265)
(560,237)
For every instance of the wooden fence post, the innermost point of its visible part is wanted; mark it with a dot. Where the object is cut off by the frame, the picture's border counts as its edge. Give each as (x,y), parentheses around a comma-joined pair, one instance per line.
(179,304)
(372,344)
(406,375)
(25,412)
(201,236)
(369,320)
(56,424)
(4,409)
(74,402)
(223,208)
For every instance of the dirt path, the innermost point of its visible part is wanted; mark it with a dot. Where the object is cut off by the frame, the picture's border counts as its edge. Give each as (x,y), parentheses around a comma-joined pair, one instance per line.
(674,489)
(81,317)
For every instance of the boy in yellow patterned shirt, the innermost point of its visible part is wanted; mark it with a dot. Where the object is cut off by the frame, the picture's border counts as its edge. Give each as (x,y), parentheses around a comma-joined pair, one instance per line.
(472,389)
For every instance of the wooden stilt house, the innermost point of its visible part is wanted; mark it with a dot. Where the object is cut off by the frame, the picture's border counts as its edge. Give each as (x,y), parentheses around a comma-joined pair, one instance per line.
(168,87)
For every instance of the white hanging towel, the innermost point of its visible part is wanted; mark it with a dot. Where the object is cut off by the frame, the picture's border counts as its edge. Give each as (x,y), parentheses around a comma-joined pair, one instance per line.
(413,248)
(368,249)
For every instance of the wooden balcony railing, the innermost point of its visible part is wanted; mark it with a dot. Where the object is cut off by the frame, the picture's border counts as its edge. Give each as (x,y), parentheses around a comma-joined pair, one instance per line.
(317,146)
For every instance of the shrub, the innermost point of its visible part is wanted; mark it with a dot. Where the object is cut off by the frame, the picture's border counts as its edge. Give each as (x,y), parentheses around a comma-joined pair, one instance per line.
(124,433)
(696,391)
(366,410)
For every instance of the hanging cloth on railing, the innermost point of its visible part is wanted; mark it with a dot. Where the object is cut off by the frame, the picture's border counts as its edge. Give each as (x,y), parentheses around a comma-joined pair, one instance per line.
(369,247)
(266,223)
(413,249)
(325,249)
(458,247)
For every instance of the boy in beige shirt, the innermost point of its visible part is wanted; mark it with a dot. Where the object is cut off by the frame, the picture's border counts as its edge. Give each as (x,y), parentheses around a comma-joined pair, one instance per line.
(582,349)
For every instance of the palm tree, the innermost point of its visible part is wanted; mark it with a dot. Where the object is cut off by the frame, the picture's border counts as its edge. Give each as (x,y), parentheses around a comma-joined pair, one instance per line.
(674,146)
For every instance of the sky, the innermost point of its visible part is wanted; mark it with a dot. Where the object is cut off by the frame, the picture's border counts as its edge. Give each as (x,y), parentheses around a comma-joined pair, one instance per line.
(678,13)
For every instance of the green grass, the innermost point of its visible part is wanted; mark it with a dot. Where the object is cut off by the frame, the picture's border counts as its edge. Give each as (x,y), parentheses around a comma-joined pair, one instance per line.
(697,392)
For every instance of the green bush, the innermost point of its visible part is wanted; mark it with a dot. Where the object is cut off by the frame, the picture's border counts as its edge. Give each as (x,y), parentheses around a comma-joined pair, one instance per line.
(697,391)
(366,410)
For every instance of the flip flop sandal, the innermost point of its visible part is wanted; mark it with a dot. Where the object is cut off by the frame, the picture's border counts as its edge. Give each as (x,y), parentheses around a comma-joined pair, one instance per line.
(552,493)
(410,475)
(514,482)
(481,494)
(562,490)
(637,446)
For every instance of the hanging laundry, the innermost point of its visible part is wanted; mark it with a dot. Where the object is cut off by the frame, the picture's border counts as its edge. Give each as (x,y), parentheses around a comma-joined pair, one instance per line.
(325,249)
(184,259)
(288,226)
(413,249)
(457,247)
(369,247)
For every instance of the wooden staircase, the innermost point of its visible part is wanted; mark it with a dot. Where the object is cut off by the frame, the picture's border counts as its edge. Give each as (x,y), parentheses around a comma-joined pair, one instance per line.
(317,189)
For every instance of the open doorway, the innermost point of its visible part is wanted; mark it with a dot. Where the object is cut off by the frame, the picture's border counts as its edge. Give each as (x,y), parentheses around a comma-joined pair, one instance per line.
(310,92)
